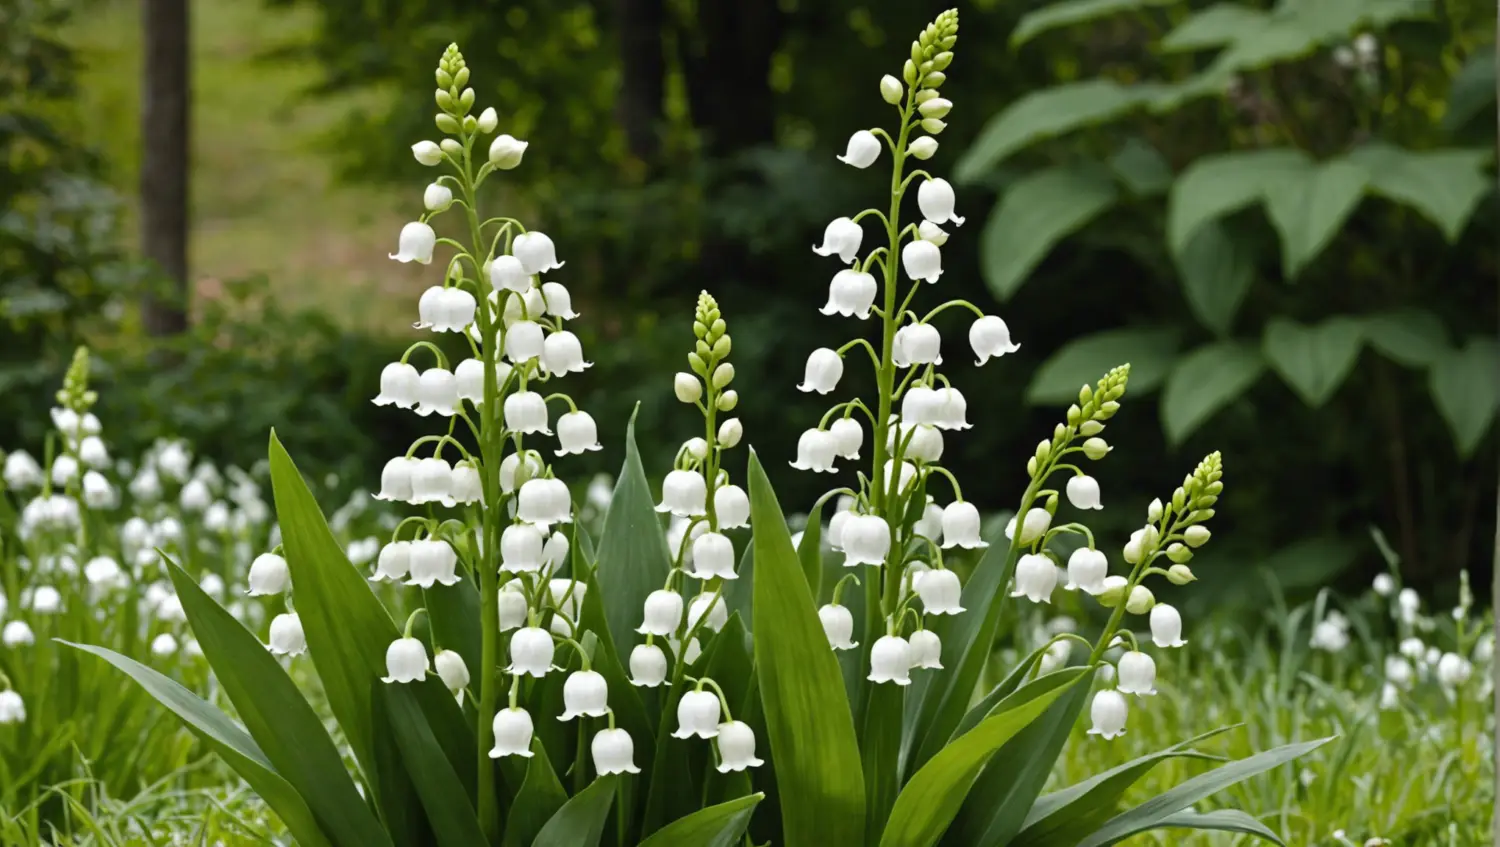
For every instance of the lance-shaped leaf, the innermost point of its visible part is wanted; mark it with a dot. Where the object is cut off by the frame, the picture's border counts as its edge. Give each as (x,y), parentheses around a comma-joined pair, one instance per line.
(1037,212)
(540,797)
(580,821)
(633,559)
(449,811)
(715,826)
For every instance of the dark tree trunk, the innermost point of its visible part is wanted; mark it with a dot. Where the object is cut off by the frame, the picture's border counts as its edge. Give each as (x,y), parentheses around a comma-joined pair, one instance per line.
(727,65)
(165,99)
(642,27)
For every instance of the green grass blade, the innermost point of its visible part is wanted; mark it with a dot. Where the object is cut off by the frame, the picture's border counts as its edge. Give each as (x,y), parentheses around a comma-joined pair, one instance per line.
(278,717)
(539,798)
(715,826)
(580,822)
(633,559)
(228,740)
(1220,820)
(808,721)
(449,809)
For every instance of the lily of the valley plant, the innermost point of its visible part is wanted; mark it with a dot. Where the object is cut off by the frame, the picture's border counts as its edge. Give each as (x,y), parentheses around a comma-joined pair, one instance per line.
(655,685)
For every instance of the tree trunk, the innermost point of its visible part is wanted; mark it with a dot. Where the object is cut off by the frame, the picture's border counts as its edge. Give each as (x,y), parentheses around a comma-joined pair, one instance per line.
(727,69)
(165,98)
(642,24)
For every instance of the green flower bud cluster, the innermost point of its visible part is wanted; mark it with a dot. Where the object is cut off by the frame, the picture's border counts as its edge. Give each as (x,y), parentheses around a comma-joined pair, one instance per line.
(710,352)
(75,393)
(454,97)
(931,54)
(1085,418)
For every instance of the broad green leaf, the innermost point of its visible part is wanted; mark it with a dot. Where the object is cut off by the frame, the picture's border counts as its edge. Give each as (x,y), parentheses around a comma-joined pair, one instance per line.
(1309,209)
(1203,382)
(1473,92)
(810,551)
(1413,337)
(633,559)
(1063,817)
(1213,27)
(540,797)
(811,736)
(1444,185)
(880,754)
(580,822)
(624,698)
(1038,211)
(715,826)
(1080,362)
(277,716)
(1151,813)
(1006,687)
(933,795)
(1070,12)
(1314,360)
(449,810)
(1220,820)
(1142,169)
(348,631)
(228,740)
(1213,186)
(1043,114)
(453,614)
(1467,391)
(672,787)
(1216,269)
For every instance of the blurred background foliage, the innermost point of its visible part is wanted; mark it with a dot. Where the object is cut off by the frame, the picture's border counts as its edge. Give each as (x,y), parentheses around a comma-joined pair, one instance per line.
(1282,216)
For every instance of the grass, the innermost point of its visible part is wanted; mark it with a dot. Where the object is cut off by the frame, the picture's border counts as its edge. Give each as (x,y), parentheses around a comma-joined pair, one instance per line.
(265,195)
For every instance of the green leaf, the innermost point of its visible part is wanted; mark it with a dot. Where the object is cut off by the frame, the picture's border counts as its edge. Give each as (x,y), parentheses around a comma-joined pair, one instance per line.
(1006,687)
(1313,360)
(278,717)
(808,722)
(580,822)
(1473,92)
(1043,114)
(1412,337)
(810,551)
(449,810)
(1142,169)
(539,798)
(1444,185)
(1069,12)
(934,794)
(228,740)
(1213,186)
(1216,269)
(1467,392)
(1038,211)
(1080,362)
(1205,381)
(1150,814)
(633,558)
(453,614)
(1309,209)
(1222,820)
(715,826)
(1213,27)
(624,698)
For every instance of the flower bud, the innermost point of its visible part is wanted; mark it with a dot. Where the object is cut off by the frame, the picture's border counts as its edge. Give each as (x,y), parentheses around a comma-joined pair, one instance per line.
(1179,554)
(444,100)
(1096,448)
(728,400)
(935,107)
(1090,428)
(1113,591)
(506,152)
(1196,536)
(890,90)
(1141,600)
(451,147)
(688,388)
(488,120)
(730,433)
(933,125)
(1043,450)
(1180,574)
(427,153)
(723,375)
(923,148)
(437,197)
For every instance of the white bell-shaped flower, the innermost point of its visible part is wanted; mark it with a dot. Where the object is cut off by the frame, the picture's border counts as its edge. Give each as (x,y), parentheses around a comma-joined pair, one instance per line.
(92,453)
(1108,714)
(936,200)
(697,714)
(577,433)
(917,344)
(455,311)
(717,614)
(527,307)
(526,411)
(396,478)
(838,625)
(926,650)
(545,501)
(1141,544)
(930,524)
(1036,577)
(269,574)
(816,450)
(429,307)
(287,638)
(507,274)
(431,481)
(1083,492)
(923,443)
(1136,674)
(165,645)
(921,405)
(433,562)
(824,369)
(437,392)
(1033,526)
(512,606)
(1087,570)
(862,151)
(22,471)
(65,470)
(437,197)
(531,651)
(398,386)
(452,670)
(405,661)
(737,747)
(614,752)
(713,556)
(961,526)
(559,301)
(521,548)
(684,493)
(941,592)
(105,573)
(929,231)
(922,260)
(905,474)
(506,153)
(511,463)
(394,562)
(732,506)
(555,555)
(852,292)
(17,634)
(427,153)
(890,660)
(99,494)
(648,666)
(415,244)
(12,707)
(468,381)
(953,409)
(512,730)
(866,540)
(536,252)
(585,693)
(562,353)
(524,341)
(662,614)
(1166,626)
(842,236)
(990,338)
(46,600)
(848,437)
(1453,671)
